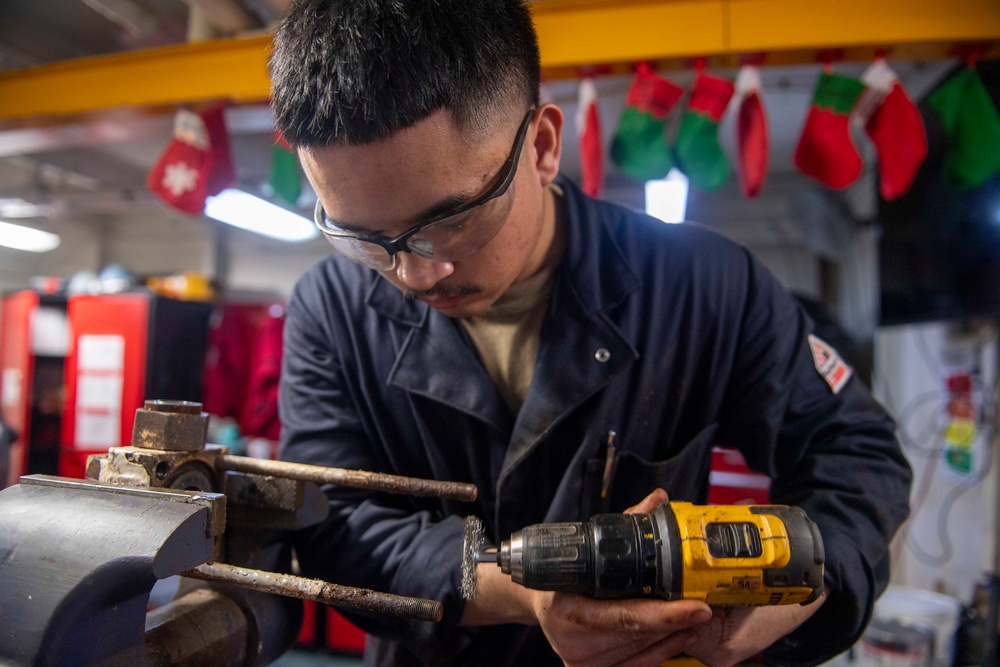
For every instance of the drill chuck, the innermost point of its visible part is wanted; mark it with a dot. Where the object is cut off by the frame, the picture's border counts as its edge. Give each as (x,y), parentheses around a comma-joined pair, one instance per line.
(610,556)
(723,555)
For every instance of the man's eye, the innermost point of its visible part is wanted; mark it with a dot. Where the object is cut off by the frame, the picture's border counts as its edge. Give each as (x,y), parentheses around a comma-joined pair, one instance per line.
(455,224)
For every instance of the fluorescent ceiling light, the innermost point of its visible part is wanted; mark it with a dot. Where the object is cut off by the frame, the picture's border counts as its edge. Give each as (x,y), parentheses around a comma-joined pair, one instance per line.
(19,208)
(667,199)
(243,210)
(26,238)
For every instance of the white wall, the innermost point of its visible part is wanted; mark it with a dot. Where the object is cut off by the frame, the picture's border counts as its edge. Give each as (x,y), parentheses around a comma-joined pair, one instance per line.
(257,264)
(153,241)
(161,242)
(949,541)
(78,251)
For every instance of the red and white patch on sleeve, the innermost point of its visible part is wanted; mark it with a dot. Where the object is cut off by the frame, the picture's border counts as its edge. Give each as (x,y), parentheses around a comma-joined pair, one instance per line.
(829,364)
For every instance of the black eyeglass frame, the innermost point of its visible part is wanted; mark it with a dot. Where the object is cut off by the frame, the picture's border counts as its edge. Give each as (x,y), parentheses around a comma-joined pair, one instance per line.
(398,243)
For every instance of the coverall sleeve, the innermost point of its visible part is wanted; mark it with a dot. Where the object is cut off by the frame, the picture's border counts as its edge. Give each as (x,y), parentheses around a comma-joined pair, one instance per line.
(832,453)
(378,541)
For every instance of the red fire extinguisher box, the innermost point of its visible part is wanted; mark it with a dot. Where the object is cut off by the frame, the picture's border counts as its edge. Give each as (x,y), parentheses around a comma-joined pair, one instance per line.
(124,349)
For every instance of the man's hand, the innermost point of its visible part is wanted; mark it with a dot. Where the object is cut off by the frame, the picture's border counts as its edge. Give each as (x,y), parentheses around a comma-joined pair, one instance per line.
(589,632)
(598,633)
(586,632)
(742,632)
(737,633)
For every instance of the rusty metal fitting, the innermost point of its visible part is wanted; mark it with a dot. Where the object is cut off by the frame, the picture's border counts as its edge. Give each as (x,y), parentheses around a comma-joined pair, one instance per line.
(158,468)
(178,426)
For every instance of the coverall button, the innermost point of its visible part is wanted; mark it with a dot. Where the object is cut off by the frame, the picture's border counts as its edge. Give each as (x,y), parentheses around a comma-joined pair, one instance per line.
(602,355)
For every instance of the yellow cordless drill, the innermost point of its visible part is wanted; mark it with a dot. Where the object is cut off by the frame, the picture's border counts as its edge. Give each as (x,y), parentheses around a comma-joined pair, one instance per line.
(724,555)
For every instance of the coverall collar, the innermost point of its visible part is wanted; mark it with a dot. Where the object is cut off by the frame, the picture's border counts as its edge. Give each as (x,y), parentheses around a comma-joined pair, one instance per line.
(438,362)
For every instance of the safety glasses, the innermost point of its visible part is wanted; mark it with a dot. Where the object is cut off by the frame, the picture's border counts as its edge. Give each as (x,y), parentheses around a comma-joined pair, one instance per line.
(448,237)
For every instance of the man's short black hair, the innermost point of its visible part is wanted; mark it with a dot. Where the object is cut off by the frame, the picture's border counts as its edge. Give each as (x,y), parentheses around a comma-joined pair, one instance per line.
(357,71)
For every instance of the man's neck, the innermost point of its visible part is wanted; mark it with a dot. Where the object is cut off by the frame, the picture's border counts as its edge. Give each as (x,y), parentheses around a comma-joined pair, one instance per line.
(548,249)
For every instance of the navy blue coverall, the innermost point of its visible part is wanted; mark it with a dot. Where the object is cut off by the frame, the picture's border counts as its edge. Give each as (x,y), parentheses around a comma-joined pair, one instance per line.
(670,335)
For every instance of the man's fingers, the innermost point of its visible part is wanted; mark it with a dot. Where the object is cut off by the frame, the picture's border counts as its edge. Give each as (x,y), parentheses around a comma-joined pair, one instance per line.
(638,616)
(649,503)
(599,633)
(620,651)
(610,632)
(666,648)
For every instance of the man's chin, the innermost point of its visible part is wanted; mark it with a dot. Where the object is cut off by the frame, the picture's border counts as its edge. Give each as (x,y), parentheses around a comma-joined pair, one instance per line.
(453,301)
(461,305)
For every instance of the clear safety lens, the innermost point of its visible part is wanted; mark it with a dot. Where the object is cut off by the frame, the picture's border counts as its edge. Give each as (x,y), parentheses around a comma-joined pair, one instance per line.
(457,237)
(371,255)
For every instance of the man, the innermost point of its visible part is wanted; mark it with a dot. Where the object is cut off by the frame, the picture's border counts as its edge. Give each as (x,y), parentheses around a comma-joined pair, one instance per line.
(483,321)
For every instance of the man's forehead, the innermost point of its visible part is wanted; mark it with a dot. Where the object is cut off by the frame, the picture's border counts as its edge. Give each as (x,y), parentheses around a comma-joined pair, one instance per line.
(421,171)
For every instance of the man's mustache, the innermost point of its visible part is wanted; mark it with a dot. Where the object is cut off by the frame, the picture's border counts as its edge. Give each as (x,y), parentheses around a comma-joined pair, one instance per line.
(445,290)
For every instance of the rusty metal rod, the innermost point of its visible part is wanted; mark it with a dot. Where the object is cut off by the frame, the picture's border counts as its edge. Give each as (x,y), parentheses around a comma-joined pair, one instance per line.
(362,599)
(357,479)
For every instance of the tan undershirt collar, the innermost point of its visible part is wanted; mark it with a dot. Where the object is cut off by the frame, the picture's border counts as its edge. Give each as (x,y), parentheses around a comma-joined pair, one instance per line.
(506,335)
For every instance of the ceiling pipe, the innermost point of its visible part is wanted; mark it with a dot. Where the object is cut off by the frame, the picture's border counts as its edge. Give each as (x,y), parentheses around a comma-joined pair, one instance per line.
(134,19)
(280,6)
(269,11)
(199,28)
(227,17)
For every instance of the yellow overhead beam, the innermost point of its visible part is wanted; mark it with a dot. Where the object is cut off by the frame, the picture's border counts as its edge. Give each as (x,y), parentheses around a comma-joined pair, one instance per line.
(572,34)
(670,33)
(232,69)
(766,25)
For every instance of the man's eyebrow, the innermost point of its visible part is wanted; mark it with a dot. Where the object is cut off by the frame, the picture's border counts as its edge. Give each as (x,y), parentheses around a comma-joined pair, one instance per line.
(441,207)
(352,228)
(446,205)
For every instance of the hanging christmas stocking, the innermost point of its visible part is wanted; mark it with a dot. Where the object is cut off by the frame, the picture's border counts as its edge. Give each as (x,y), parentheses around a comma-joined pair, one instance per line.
(699,155)
(180,176)
(284,175)
(222,172)
(192,168)
(751,132)
(973,129)
(893,123)
(640,147)
(588,128)
(825,150)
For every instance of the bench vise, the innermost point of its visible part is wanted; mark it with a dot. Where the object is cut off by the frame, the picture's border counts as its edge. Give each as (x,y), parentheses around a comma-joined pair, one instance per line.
(79,558)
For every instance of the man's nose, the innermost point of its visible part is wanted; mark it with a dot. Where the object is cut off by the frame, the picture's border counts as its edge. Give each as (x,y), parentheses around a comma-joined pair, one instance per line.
(421,274)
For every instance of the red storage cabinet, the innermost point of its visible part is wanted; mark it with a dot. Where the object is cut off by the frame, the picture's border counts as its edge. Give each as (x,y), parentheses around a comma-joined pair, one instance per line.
(731,482)
(126,348)
(343,636)
(32,352)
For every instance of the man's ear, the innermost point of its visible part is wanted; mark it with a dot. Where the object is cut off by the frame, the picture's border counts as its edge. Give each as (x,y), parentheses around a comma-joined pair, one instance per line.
(548,142)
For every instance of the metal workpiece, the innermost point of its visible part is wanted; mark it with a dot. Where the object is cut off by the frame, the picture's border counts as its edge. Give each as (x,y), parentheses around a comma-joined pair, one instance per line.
(180,427)
(356,479)
(78,558)
(257,501)
(170,425)
(361,599)
(194,470)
